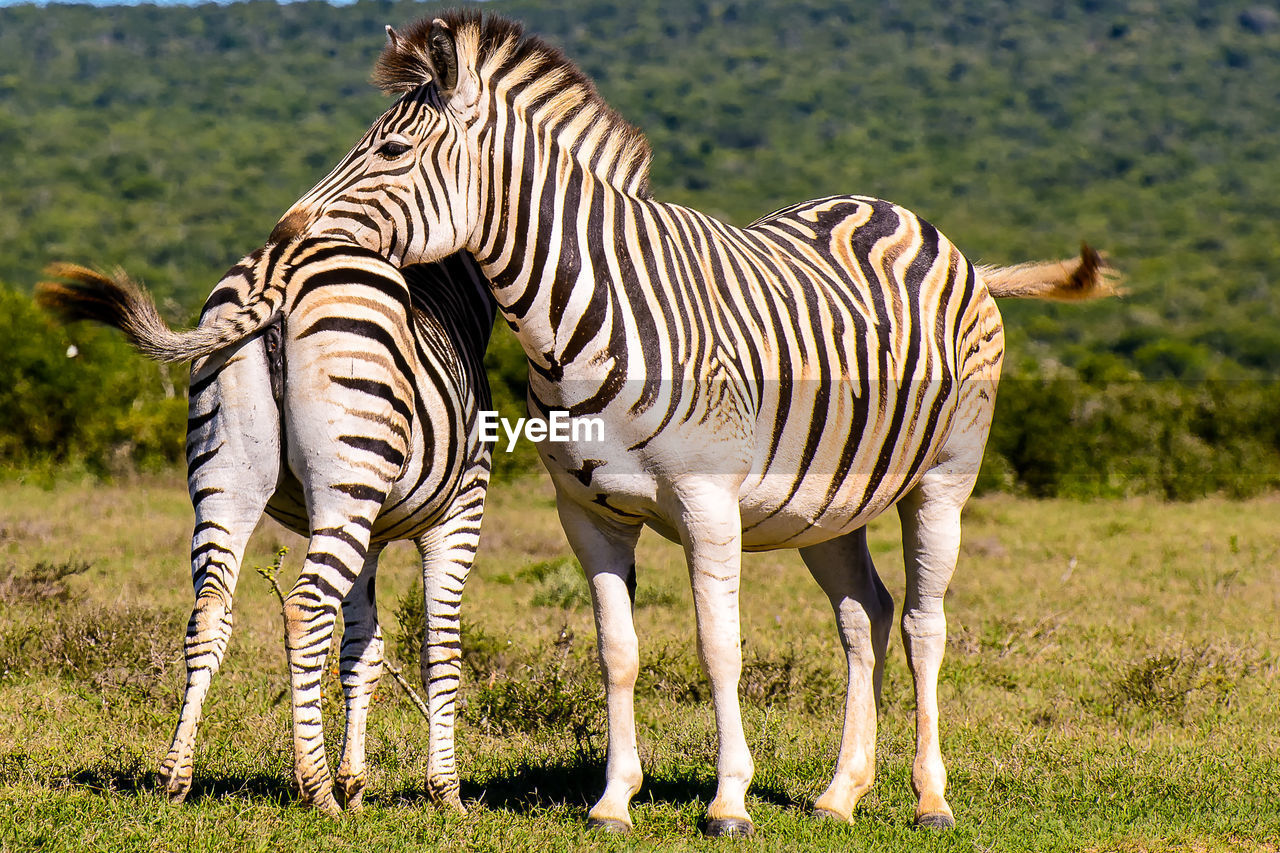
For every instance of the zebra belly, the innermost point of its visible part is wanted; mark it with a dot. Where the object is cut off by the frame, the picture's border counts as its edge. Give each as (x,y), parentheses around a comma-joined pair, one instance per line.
(781,506)
(826,466)
(801,521)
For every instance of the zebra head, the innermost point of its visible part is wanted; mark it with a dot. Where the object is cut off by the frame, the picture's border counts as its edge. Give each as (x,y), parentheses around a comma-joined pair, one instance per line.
(408,189)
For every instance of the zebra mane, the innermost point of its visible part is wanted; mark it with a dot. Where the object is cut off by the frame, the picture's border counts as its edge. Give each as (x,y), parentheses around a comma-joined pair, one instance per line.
(546,83)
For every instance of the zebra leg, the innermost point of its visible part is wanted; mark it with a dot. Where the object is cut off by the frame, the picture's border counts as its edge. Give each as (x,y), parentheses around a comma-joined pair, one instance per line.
(233,451)
(607,553)
(448,551)
(864,616)
(360,667)
(711,531)
(930,516)
(310,611)
(216,551)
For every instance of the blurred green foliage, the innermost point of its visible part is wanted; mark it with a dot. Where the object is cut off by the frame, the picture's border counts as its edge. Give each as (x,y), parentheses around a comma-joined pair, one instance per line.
(1062,432)
(168,140)
(80,397)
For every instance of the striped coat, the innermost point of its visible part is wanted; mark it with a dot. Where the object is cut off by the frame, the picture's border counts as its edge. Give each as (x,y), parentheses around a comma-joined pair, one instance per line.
(764,387)
(326,395)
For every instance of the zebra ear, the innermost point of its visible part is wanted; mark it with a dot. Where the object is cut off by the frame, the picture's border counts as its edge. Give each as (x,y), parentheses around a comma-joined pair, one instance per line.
(457,82)
(394,41)
(443,51)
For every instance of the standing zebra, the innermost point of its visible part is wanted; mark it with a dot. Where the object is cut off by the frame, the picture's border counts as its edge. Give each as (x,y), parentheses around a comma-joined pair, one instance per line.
(775,386)
(353,419)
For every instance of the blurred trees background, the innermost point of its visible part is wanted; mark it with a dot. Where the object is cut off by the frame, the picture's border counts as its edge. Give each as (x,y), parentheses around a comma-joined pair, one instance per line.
(168,140)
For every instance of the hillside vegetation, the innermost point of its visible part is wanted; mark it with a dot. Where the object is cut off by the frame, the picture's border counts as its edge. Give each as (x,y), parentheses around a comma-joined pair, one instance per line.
(168,140)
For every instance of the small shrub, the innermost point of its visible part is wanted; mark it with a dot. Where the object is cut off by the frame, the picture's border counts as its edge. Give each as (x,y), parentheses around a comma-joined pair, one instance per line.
(649,596)
(1170,683)
(405,643)
(124,647)
(779,677)
(554,692)
(46,582)
(561,584)
(673,675)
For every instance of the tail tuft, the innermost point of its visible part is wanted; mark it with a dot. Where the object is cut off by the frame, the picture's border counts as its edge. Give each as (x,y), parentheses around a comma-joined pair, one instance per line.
(1086,277)
(119,302)
(88,295)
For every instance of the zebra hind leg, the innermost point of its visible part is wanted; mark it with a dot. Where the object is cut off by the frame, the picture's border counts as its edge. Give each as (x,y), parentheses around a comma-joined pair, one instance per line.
(216,551)
(864,616)
(930,516)
(448,551)
(310,611)
(230,480)
(360,667)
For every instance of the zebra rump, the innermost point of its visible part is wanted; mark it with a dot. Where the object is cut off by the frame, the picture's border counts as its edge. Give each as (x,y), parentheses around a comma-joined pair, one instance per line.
(355,427)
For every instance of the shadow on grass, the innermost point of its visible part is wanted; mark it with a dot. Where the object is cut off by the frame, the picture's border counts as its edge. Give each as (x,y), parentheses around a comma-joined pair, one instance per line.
(133,778)
(574,782)
(577,782)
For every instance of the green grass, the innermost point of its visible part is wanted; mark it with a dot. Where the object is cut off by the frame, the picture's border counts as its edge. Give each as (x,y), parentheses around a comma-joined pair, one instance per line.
(1110,684)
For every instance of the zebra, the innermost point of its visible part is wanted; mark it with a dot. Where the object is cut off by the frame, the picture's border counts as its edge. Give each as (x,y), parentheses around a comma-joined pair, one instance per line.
(321,393)
(773,386)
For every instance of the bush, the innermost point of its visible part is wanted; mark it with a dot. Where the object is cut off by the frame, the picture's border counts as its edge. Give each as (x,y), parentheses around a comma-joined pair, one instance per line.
(46,582)
(79,394)
(1057,434)
(126,648)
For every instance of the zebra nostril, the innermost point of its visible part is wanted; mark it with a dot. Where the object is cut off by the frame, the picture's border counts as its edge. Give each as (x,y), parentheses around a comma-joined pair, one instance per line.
(290,226)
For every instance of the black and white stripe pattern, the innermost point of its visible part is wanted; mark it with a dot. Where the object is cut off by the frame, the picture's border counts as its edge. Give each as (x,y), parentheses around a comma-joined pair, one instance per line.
(773,386)
(352,419)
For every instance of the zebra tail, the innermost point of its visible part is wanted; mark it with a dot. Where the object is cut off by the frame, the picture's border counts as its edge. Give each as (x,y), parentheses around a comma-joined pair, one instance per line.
(1086,277)
(120,302)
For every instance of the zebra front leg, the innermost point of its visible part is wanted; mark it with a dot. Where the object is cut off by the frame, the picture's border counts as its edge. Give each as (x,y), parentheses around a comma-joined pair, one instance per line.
(607,553)
(864,616)
(711,533)
(360,666)
(447,550)
(310,611)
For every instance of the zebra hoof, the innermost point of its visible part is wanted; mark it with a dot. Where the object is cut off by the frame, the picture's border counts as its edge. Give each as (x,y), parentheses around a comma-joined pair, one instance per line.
(608,825)
(940,821)
(446,794)
(453,802)
(353,802)
(176,787)
(326,805)
(728,827)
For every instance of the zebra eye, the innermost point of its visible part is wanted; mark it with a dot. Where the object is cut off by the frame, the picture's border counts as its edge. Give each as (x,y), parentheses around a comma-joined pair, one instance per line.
(393,148)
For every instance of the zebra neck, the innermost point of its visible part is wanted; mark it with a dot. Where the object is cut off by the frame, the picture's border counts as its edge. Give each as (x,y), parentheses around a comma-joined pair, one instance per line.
(550,246)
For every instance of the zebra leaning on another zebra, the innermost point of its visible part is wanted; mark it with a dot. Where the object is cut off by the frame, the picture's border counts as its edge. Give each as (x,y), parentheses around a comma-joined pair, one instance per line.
(773,386)
(321,394)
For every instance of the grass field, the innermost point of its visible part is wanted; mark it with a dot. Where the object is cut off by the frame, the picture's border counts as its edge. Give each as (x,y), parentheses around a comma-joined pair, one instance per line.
(1111,683)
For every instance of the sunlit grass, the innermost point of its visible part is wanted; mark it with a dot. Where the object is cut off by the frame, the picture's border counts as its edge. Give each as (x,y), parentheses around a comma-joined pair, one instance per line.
(1110,684)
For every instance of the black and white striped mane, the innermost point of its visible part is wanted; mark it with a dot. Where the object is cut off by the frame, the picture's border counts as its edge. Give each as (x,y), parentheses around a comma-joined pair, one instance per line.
(498,47)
